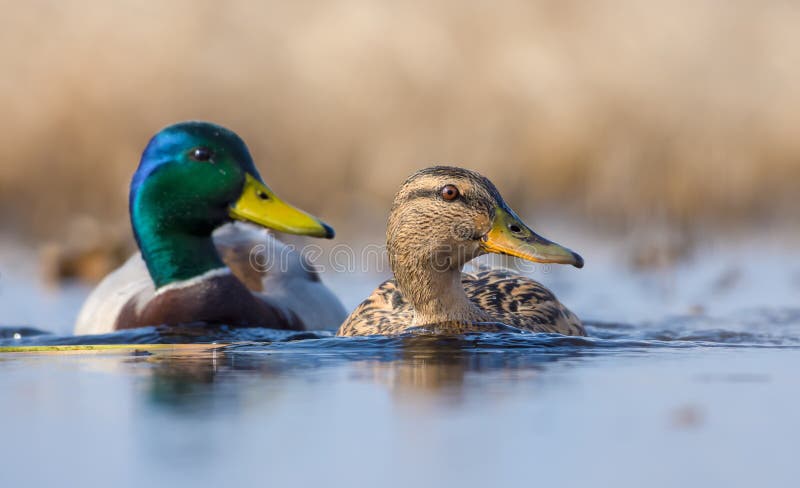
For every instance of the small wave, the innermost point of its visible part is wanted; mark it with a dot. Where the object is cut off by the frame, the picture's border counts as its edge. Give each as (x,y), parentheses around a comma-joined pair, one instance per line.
(20,337)
(754,328)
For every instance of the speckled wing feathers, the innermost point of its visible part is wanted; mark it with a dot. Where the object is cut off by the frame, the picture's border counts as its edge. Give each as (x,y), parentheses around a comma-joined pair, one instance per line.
(521,302)
(385,311)
(511,299)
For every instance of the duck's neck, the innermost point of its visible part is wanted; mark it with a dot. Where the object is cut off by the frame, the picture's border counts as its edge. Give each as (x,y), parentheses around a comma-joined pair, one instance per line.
(172,255)
(436,295)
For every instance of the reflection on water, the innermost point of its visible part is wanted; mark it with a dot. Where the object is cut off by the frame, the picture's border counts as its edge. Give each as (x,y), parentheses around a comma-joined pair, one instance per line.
(179,380)
(501,410)
(413,367)
(406,366)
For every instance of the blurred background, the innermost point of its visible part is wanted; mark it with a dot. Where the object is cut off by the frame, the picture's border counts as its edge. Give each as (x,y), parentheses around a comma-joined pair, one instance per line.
(658,124)
(610,111)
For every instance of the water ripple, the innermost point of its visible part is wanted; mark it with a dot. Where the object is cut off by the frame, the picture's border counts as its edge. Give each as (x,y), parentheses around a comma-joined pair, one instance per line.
(757,328)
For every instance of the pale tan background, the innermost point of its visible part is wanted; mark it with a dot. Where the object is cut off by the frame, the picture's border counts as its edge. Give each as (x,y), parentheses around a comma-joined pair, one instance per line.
(612,112)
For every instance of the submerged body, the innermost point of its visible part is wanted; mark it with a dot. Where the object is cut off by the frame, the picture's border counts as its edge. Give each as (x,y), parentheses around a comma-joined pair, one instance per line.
(193,178)
(441,218)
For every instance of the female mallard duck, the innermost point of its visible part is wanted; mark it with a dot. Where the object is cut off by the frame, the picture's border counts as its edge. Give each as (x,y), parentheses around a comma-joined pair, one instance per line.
(441,218)
(193,178)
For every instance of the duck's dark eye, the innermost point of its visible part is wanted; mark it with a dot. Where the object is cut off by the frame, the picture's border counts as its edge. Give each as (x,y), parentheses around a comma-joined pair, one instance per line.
(201,154)
(450,192)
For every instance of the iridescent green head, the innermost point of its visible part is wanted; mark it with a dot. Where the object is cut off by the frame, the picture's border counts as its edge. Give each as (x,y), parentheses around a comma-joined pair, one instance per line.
(194,177)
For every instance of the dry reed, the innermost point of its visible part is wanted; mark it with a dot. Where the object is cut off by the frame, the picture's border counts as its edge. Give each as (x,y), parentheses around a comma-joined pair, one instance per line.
(616,111)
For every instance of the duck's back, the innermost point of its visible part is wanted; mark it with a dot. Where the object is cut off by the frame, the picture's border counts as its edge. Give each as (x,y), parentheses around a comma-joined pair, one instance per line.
(521,302)
(509,298)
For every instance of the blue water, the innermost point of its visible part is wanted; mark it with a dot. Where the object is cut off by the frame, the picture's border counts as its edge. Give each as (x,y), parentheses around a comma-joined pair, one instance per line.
(504,410)
(689,377)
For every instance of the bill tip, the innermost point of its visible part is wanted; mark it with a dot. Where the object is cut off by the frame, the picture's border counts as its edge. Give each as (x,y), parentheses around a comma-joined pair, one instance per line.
(329,232)
(578,260)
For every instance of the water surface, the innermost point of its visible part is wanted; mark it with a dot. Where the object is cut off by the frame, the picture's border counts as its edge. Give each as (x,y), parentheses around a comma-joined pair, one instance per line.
(689,378)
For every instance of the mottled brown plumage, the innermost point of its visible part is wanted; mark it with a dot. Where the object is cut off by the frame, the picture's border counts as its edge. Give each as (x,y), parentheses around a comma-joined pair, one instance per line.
(509,299)
(430,238)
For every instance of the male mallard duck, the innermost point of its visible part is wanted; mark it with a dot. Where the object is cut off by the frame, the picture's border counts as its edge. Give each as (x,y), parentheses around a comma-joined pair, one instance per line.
(193,178)
(441,218)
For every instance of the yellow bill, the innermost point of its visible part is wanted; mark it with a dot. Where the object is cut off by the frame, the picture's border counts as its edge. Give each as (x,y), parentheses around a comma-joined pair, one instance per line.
(509,235)
(259,205)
